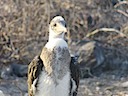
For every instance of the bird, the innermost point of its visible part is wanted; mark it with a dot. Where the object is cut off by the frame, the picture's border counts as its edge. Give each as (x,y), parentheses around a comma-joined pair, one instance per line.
(54,72)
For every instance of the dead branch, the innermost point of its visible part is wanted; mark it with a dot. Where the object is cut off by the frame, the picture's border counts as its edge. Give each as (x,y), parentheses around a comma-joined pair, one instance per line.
(121,3)
(122,12)
(105,30)
(48,3)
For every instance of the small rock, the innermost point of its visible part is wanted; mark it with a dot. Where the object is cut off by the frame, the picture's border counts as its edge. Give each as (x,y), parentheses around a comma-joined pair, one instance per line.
(125,84)
(97,88)
(26,94)
(19,70)
(1,93)
(13,71)
(6,73)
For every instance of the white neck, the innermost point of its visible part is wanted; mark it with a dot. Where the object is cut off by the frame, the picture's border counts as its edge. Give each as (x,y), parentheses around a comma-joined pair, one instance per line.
(57,42)
(52,35)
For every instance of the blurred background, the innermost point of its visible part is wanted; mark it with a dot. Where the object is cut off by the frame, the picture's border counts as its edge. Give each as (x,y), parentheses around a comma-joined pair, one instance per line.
(98,35)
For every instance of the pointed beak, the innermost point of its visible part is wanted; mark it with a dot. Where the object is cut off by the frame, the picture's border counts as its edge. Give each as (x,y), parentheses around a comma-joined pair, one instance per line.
(63,28)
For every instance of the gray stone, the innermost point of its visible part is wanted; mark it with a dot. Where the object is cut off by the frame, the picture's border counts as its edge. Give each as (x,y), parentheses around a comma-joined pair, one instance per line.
(19,69)
(1,93)
(91,57)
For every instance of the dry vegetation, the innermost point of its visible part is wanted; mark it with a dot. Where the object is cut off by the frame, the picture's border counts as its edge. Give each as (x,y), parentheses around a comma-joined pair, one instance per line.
(24,25)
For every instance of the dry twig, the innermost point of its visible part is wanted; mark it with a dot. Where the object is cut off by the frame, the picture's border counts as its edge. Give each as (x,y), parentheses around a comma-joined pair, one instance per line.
(105,30)
(121,3)
(122,12)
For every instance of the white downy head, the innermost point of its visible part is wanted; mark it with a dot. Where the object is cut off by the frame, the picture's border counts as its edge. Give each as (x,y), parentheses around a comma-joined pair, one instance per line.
(57,28)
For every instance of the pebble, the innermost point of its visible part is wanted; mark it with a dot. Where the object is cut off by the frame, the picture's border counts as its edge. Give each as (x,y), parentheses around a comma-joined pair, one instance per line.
(1,93)
(97,88)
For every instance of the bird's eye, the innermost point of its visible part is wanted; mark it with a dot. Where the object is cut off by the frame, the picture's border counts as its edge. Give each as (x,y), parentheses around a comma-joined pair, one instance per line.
(55,25)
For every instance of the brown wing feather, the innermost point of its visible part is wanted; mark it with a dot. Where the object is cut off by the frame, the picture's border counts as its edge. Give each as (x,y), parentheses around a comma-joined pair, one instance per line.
(74,73)
(34,70)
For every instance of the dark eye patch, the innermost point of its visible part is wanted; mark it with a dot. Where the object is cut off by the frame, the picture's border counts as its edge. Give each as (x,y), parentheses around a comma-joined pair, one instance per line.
(55,25)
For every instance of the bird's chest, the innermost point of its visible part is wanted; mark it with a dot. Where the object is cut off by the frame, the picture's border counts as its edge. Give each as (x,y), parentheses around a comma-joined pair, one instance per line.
(56,61)
(47,86)
(56,53)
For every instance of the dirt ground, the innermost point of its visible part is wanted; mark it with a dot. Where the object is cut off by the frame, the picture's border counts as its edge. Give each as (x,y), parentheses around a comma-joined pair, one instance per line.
(104,85)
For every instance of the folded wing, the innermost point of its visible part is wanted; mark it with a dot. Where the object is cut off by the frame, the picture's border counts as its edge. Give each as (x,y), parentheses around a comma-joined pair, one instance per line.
(34,70)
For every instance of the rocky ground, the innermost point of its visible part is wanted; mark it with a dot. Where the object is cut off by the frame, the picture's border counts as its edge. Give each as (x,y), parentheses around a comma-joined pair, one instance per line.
(110,83)
(104,85)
